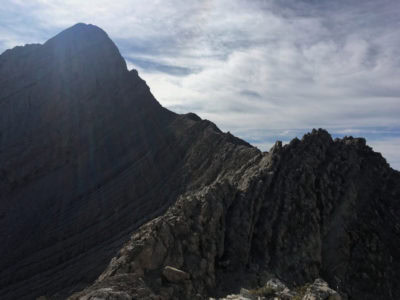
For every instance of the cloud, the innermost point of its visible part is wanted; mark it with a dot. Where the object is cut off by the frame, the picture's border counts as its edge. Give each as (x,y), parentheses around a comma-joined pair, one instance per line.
(154,66)
(390,149)
(263,70)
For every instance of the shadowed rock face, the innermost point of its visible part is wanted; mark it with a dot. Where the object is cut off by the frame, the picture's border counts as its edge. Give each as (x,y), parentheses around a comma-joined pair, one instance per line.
(76,129)
(315,207)
(87,156)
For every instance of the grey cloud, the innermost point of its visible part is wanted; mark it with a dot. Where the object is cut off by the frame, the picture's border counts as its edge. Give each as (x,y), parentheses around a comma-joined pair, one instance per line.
(251,94)
(277,67)
(183,109)
(154,66)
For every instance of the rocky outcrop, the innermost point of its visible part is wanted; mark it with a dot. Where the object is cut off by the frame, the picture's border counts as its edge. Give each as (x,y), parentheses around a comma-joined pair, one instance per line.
(123,199)
(175,275)
(293,212)
(276,290)
(320,290)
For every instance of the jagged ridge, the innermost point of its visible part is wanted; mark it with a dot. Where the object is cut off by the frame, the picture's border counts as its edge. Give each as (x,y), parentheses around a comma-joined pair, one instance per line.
(313,207)
(90,156)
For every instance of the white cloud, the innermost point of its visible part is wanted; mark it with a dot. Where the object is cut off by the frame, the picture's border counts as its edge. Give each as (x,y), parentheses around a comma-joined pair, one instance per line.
(390,149)
(249,66)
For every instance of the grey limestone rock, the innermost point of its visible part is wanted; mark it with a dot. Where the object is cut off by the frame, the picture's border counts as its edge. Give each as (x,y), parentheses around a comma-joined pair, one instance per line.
(102,189)
(320,290)
(175,275)
(276,290)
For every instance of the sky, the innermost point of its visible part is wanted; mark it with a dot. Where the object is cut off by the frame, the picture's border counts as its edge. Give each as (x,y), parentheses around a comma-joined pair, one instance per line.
(263,70)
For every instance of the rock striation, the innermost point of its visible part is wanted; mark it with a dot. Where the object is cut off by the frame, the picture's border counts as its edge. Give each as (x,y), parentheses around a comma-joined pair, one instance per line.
(105,194)
(311,208)
(87,156)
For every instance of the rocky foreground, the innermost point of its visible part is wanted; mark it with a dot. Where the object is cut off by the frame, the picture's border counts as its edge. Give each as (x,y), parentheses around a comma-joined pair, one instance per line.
(275,289)
(105,194)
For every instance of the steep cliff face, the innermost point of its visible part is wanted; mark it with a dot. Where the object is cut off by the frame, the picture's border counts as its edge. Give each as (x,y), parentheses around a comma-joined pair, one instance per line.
(76,128)
(315,207)
(90,164)
(87,155)
(334,213)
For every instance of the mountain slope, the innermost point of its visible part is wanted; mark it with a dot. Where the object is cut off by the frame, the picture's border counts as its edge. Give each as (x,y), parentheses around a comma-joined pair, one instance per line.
(315,207)
(87,156)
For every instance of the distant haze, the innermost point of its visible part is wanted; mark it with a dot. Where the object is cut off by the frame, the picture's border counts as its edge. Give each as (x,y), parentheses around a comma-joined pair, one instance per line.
(263,70)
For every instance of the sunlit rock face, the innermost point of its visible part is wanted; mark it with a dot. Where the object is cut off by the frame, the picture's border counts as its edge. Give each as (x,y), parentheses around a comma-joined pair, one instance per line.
(98,181)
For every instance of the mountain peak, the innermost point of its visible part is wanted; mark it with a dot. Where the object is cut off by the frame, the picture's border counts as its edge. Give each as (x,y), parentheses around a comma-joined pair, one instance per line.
(92,165)
(83,45)
(80,30)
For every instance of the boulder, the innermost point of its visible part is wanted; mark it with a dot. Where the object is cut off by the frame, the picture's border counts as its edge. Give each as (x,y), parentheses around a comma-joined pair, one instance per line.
(320,290)
(175,275)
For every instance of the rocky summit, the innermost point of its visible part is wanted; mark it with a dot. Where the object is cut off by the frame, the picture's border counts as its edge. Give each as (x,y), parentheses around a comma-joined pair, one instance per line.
(105,194)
